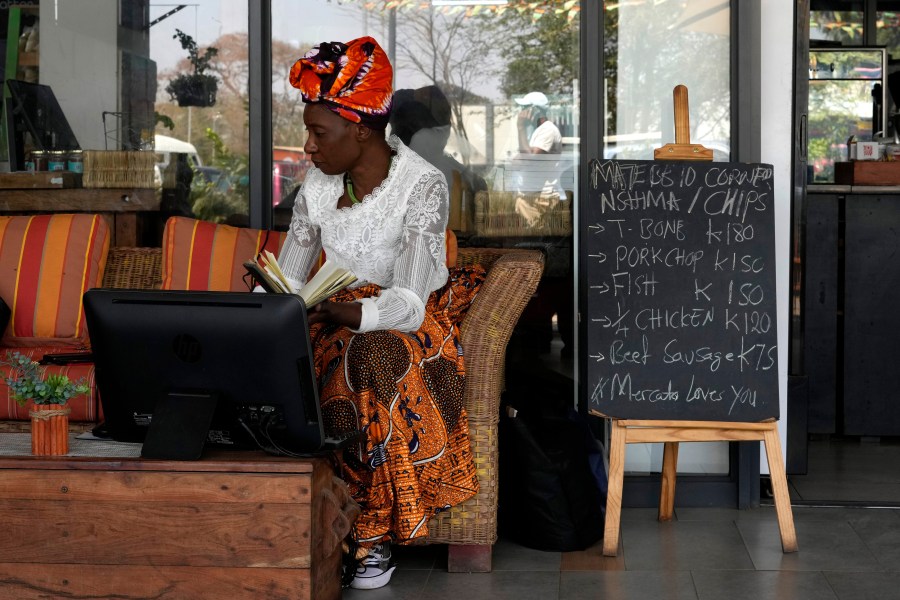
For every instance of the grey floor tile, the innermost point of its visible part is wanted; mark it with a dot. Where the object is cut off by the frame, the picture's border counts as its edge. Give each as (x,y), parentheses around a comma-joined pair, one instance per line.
(848,470)
(848,492)
(841,514)
(762,585)
(509,556)
(708,514)
(883,539)
(627,585)
(823,546)
(684,546)
(406,584)
(640,514)
(499,585)
(865,586)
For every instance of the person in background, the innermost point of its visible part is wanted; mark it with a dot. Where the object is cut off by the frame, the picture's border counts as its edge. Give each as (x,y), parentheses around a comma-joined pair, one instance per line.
(545,137)
(387,353)
(421,119)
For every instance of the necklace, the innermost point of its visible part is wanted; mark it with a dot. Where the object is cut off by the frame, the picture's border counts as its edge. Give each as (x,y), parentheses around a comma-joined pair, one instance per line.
(348,183)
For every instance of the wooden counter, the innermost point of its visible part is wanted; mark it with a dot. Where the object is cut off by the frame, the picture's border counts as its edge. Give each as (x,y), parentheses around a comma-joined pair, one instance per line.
(231,525)
(126,210)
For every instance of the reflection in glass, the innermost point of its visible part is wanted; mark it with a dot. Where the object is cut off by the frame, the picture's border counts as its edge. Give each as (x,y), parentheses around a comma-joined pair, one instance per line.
(462,74)
(200,51)
(843,27)
(650,47)
(846,98)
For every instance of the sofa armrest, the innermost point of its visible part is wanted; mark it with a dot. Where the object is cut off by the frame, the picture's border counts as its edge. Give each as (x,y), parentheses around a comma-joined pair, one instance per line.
(512,278)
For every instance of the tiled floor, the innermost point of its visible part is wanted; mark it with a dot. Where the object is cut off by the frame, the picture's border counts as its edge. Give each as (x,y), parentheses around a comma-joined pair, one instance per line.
(850,470)
(705,554)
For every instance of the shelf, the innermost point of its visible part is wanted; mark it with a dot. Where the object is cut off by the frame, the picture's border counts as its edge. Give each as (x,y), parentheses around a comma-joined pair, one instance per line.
(80,200)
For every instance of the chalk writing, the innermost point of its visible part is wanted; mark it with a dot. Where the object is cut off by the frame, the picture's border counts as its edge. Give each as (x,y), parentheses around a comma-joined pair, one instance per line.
(680,287)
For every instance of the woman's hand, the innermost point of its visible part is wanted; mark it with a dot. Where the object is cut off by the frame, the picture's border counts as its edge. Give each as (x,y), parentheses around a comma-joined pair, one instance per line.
(348,314)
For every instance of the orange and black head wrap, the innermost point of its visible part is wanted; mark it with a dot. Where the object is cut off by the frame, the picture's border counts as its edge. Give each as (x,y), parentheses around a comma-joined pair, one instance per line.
(352,80)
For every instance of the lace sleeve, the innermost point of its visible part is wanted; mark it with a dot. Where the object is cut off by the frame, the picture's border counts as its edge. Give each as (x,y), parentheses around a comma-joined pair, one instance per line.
(402,306)
(302,245)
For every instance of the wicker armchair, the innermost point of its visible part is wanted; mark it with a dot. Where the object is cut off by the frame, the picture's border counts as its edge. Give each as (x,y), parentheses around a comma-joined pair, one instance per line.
(470,528)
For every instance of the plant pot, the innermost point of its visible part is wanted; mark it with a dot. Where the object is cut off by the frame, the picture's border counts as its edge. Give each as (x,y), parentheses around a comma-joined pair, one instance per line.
(194,90)
(49,429)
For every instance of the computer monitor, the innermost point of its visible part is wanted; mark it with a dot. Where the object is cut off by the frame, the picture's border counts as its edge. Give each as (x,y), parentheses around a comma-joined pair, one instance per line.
(34,120)
(177,369)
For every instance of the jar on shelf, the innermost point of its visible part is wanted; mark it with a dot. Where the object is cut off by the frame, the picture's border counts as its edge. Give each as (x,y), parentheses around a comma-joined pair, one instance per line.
(36,161)
(75,163)
(57,160)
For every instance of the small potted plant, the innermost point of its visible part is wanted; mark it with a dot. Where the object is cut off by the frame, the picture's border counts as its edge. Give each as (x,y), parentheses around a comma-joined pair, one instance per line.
(49,394)
(197,88)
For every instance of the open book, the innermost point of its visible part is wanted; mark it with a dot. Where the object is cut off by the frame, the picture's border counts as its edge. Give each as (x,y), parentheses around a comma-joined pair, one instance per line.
(328,280)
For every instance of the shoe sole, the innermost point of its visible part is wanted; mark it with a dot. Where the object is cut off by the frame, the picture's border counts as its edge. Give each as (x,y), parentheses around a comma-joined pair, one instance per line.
(365,581)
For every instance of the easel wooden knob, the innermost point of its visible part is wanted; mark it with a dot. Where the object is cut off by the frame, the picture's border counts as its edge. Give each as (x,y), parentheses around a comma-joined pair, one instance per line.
(682,149)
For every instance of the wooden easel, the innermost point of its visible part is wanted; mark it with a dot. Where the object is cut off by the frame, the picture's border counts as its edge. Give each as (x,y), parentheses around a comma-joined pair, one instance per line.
(630,431)
(627,431)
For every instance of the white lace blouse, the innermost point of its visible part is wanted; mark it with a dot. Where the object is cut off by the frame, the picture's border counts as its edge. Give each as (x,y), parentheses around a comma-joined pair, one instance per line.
(394,238)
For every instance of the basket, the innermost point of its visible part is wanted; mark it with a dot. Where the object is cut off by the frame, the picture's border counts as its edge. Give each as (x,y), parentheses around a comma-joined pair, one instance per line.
(118,169)
(499,214)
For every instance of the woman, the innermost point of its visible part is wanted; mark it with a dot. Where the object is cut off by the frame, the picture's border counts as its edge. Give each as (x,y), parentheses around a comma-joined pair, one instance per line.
(386,352)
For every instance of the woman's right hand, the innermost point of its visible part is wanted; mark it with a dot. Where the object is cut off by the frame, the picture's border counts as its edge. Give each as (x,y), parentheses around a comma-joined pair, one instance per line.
(348,314)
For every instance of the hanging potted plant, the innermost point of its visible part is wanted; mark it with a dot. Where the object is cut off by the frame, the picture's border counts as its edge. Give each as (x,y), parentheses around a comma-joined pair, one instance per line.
(196,88)
(49,394)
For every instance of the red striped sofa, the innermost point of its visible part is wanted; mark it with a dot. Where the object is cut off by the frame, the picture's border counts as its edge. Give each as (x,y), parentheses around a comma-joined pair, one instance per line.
(48,261)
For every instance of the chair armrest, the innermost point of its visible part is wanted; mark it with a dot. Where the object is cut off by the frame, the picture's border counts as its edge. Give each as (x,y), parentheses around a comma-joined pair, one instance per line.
(512,278)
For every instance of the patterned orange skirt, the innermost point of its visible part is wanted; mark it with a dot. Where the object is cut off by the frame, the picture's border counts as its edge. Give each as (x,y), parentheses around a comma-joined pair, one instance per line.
(405,392)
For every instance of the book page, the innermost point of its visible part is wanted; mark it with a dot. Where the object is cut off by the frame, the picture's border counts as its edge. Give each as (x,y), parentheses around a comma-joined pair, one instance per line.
(274,270)
(328,280)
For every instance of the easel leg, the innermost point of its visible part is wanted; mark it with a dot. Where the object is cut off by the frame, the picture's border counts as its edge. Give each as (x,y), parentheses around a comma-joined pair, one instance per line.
(667,484)
(779,487)
(614,492)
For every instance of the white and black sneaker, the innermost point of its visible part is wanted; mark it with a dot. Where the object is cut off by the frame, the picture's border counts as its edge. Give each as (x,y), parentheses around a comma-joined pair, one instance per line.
(375,570)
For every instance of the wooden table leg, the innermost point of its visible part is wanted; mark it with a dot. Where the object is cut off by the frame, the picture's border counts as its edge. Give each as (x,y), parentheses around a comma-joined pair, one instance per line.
(614,493)
(780,490)
(667,482)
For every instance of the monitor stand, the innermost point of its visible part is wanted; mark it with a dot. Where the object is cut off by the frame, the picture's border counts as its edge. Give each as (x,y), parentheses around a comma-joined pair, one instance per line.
(180,426)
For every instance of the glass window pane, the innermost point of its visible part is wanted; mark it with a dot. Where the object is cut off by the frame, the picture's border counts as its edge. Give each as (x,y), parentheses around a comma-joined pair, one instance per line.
(473,84)
(201,106)
(836,22)
(125,81)
(649,48)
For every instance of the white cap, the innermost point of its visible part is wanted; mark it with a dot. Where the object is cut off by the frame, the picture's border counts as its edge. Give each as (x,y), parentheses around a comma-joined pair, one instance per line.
(533,99)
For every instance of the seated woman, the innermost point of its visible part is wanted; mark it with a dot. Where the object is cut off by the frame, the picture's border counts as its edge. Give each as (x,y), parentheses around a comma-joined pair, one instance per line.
(387,352)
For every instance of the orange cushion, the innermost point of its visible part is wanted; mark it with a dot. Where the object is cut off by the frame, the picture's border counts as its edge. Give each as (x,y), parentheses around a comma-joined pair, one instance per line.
(46,263)
(200,255)
(452,248)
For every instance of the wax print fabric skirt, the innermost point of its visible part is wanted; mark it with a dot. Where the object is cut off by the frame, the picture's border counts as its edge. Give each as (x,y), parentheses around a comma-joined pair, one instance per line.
(404,391)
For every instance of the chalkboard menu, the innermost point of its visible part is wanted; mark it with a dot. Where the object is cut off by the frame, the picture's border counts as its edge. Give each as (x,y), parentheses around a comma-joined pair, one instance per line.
(681,305)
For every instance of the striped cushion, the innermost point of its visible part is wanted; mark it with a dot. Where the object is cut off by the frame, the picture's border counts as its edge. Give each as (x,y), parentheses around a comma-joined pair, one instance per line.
(46,263)
(199,255)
